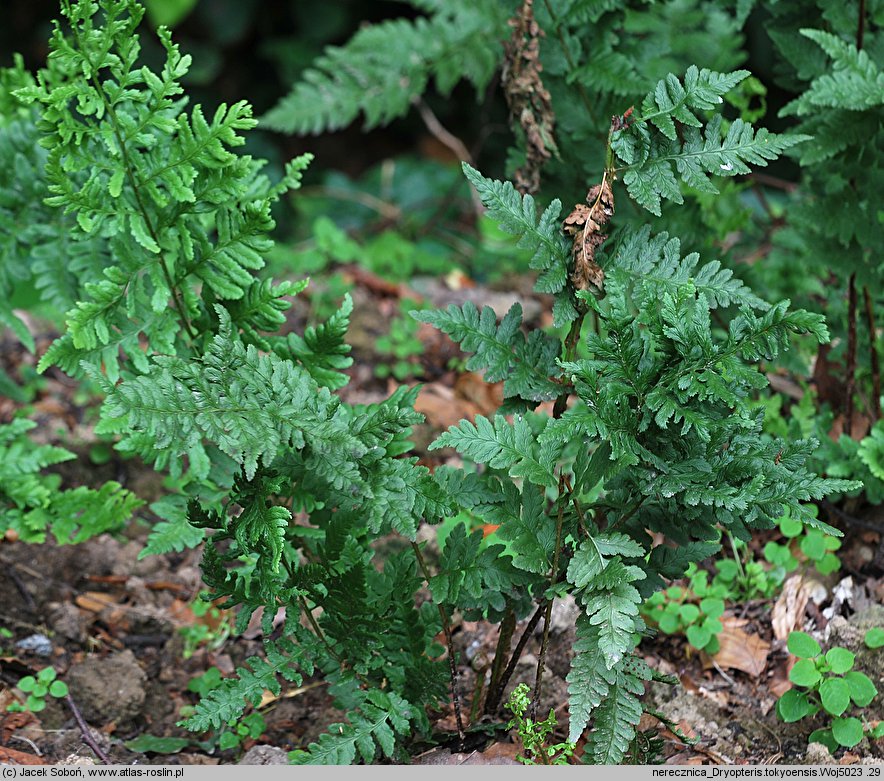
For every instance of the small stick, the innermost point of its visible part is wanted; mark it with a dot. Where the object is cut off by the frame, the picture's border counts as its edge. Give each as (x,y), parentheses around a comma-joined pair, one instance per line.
(86,732)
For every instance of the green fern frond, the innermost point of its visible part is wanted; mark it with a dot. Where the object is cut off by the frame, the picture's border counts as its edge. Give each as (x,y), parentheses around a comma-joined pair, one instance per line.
(500,445)
(379,720)
(285,659)
(381,70)
(654,265)
(856,82)
(322,350)
(525,365)
(656,152)
(174,532)
(615,719)
(517,216)
(589,679)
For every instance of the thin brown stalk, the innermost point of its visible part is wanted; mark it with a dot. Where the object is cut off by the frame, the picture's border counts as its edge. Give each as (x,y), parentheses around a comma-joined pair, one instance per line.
(492,700)
(553,578)
(851,355)
(873,355)
(452,665)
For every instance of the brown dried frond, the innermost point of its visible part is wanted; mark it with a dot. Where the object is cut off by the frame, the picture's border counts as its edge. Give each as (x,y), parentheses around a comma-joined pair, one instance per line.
(529,101)
(584,225)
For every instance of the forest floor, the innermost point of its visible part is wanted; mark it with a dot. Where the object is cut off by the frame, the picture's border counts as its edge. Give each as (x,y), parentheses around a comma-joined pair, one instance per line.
(124,636)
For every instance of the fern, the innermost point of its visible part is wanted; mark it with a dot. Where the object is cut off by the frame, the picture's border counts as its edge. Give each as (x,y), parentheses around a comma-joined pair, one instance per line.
(227,702)
(31,504)
(381,717)
(198,214)
(656,152)
(526,365)
(322,350)
(385,66)
(855,84)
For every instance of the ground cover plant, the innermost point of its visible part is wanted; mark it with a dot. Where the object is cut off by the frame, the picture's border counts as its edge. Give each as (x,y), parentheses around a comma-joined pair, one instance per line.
(627,431)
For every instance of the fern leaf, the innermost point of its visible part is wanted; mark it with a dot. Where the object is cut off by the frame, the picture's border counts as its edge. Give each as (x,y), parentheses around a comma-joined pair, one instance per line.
(589,558)
(230,699)
(376,723)
(589,679)
(657,152)
(517,216)
(174,532)
(322,350)
(526,366)
(501,446)
(856,83)
(655,267)
(614,611)
(523,522)
(616,718)
(384,67)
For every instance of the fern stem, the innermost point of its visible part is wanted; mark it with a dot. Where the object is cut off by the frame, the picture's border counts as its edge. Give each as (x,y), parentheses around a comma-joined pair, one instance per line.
(553,578)
(493,698)
(851,355)
(133,181)
(873,355)
(504,640)
(571,342)
(452,666)
(317,630)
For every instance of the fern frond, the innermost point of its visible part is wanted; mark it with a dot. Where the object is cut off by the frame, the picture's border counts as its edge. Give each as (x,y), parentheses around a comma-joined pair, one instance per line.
(615,719)
(526,365)
(384,67)
(654,265)
(502,446)
(517,216)
(614,609)
(589,679)
(856,83)
(523,522)
(248,405)
(379,720)
(322,350)
(656,152)
(174,532)
(82,512)
(285,659)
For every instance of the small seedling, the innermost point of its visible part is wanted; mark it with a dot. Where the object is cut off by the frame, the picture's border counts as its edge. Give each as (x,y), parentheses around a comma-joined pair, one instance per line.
(37,688)
(534,734)
(675,612)
(829,683)
(402,347)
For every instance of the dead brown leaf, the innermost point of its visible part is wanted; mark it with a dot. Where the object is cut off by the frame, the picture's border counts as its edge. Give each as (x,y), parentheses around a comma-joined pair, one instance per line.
(740,650)
(788,610)
(95,601)
(441,406)
(12,757)
(584,225)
